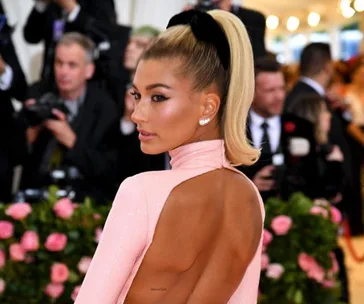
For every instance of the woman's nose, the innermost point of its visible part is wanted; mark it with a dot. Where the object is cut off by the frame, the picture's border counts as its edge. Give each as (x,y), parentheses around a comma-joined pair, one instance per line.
(140,113)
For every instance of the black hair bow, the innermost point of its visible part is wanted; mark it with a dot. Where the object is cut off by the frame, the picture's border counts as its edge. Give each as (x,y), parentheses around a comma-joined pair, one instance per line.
(206,29)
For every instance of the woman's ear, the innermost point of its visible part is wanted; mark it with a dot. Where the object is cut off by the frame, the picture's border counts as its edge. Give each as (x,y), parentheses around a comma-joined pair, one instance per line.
(210,106)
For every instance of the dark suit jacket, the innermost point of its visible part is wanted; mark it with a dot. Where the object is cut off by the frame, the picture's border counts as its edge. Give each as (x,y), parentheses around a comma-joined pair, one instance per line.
(12,136)
(95,153)
(133,160)
(94,19)
(296,176)
(255,24)
(338,125)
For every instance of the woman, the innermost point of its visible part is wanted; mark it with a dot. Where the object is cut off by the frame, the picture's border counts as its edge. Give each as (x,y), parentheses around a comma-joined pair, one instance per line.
(192,234)
(329,157)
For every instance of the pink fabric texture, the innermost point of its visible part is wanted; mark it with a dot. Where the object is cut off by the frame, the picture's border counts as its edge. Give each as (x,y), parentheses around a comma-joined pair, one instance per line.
(131,224)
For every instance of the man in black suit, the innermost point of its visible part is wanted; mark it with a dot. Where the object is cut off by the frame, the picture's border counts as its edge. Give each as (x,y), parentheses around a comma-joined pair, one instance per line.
(49,19)
(254,22)
(82,138)
(12,85)
(316,69)
(275,134)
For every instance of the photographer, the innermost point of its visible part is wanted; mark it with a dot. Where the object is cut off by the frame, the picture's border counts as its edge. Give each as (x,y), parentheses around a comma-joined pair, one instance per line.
(50,19)
(254,21)
(281,169)
(12,85)
(78,134)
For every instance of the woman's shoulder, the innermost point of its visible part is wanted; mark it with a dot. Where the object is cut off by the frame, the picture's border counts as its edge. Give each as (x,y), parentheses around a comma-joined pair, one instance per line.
(139,181)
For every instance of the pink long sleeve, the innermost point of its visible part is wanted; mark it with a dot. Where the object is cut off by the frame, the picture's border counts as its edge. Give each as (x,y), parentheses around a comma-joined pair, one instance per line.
(123,239)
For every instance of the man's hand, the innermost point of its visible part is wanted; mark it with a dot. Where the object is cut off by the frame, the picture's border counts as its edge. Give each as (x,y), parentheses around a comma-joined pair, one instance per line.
(2,65)
(67,5)
(336,155)
(61,129)
(263,179)
(336,101)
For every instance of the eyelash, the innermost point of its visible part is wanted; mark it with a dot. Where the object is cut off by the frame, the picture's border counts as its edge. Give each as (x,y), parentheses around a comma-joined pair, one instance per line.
(160,97)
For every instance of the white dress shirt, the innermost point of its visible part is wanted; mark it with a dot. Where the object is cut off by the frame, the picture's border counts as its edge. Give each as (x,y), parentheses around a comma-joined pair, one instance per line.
(320,89)
(274,130)
(6,79)
(41,7)
(314,84)
(127,127)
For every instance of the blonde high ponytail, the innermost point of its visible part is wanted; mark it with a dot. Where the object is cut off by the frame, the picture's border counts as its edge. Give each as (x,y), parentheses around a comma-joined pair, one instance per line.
(240,92)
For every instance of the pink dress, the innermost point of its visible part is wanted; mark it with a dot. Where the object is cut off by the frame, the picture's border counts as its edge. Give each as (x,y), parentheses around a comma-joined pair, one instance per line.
(131,224)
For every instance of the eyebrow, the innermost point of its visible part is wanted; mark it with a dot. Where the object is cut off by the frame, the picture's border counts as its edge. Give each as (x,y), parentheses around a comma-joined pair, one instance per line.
(154,85)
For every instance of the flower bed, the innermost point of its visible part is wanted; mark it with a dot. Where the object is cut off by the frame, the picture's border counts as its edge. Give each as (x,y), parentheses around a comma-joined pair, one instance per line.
(298,263)
(45,249)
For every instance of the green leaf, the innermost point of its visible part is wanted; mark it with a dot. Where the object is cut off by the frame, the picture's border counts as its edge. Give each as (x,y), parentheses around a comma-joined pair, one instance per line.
(74,235)
(73,277)
(298,297)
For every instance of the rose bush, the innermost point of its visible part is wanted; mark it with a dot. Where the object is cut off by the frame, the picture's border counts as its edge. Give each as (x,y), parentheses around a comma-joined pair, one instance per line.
(46,249)
(298,264)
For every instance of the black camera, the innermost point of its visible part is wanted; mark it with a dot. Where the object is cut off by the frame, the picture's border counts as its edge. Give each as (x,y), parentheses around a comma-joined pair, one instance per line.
(206,5)
(41,110)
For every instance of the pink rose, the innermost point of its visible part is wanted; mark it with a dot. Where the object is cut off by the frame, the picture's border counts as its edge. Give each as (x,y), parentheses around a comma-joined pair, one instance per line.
(267,238)
(54,290)
(281,224)
(305,261)
(30,241)
(97,217)
(264,261)
(309,265)
(59,273)
(19,211)
(328,284)
(98,234)
(2,286)
(336,216)
(75,292)
(64,208)
(17,253)
(274,271)
(56,242)
(316,273)
(84,264)
(316,210)
(6,230)
(335,264)
(2,258)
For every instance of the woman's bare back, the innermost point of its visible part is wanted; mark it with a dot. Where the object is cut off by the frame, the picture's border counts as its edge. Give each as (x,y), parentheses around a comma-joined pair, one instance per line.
(206,236)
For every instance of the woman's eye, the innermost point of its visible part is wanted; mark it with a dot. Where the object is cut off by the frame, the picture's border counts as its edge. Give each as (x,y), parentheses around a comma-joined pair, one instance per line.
(135,95)
(159,98)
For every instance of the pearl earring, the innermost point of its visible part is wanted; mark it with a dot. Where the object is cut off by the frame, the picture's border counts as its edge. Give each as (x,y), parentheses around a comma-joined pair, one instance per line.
(204,122)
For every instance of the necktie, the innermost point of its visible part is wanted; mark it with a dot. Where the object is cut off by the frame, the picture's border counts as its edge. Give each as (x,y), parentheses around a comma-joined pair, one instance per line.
(266,149)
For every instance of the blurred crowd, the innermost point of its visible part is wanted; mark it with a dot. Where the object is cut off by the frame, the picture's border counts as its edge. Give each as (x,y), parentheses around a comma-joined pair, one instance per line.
(75,129)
